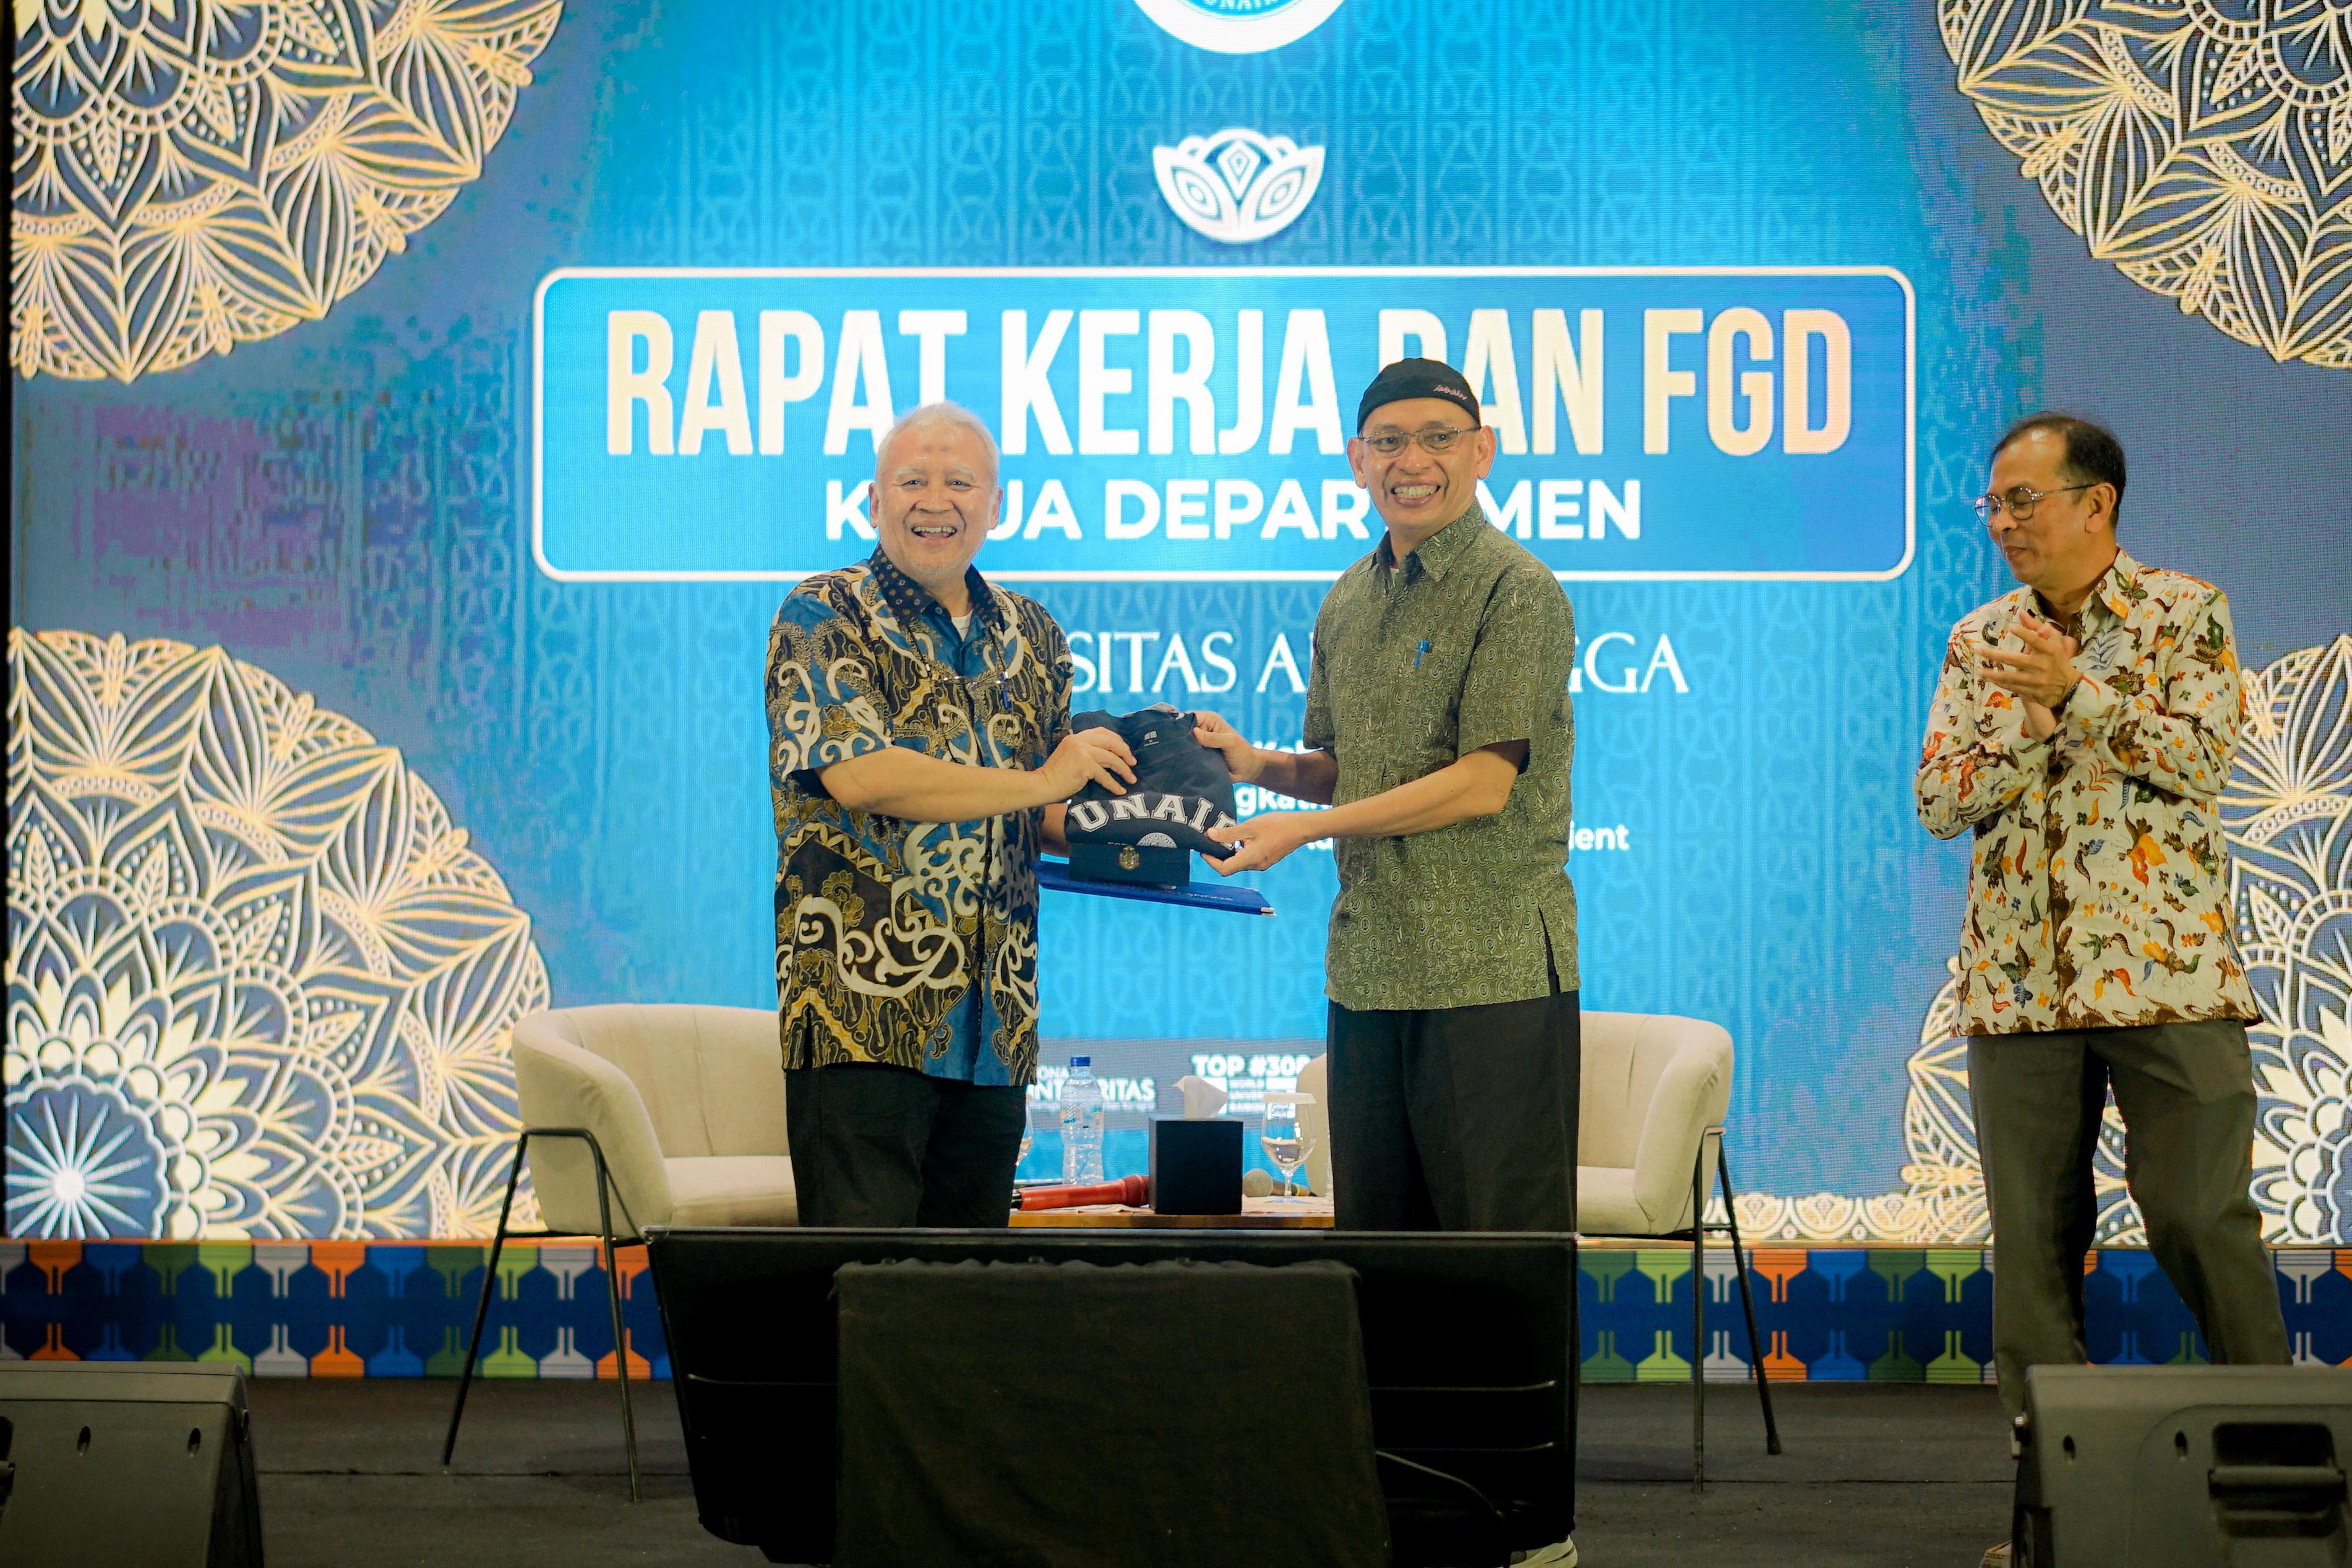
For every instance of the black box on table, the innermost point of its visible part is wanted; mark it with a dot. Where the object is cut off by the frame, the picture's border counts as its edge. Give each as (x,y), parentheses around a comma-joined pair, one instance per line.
(1196,1165)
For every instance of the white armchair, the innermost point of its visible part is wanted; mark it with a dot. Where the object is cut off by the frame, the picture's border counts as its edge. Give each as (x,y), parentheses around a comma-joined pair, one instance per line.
(641,1115)
(686,1104)
(1315,1124)
(1649,1135)
(1654,1087)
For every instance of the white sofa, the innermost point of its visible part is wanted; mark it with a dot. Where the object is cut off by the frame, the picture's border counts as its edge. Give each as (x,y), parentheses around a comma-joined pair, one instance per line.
(1652,1086)
(1315,1123)
(686,1103)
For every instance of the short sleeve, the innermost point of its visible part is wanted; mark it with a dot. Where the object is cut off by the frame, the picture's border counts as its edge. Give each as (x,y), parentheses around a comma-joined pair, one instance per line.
(1316,733)
(1516,684)
(821,681)
(1061,676)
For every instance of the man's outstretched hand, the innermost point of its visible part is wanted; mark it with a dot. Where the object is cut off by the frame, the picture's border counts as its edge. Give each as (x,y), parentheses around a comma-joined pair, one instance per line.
(1090,756)
(1242,758)
(1260,840)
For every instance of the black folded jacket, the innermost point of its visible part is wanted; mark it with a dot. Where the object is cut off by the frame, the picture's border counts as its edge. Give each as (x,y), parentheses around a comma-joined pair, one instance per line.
(1180,791)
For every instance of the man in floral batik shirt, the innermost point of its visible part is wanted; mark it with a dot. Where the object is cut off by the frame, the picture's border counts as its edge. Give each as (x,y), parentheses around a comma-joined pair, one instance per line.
(2083,727)
(918,721)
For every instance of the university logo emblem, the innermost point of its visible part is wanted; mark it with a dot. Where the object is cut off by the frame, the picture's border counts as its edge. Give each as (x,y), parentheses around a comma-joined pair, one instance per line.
(1239,27)
(1238,185)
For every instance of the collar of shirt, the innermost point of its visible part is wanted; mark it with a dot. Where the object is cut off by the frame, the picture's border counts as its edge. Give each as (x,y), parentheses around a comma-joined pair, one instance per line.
(2115,591)
(1438,551)
(910,601)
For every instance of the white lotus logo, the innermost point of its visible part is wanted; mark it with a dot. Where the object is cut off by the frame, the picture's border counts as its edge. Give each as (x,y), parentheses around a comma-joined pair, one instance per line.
(1238,185)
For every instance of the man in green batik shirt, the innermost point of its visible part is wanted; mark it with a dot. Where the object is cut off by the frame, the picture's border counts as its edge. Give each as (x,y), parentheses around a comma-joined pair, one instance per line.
(1438,728)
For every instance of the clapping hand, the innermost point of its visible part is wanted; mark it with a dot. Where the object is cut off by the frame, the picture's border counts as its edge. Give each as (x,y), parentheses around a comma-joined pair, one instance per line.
(2041,676)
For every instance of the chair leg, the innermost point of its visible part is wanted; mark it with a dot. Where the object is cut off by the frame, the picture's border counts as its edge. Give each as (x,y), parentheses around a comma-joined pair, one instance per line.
(1698,1321)
(1747,1304)
(482,1307)
(613,1291)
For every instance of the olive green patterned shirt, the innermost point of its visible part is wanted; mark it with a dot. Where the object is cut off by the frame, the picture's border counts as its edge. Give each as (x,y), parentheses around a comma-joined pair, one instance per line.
(1468,645)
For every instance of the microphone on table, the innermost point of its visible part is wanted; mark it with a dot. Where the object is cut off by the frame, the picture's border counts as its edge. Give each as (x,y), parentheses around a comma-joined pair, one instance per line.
(1134,1190)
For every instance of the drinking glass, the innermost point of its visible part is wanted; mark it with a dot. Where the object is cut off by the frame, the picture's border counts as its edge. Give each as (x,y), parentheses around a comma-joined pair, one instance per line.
(1030,1110)
(1287,1144)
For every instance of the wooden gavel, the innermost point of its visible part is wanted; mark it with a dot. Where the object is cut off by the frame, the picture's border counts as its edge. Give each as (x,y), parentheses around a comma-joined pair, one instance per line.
(1133,1189)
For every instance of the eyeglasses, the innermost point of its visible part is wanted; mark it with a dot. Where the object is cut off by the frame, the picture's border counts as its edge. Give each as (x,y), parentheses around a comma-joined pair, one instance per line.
(2020,502)
(1436,438)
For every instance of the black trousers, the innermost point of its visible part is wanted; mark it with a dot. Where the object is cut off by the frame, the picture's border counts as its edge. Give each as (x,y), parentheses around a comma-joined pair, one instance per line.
(875,1145)
(1455,1118)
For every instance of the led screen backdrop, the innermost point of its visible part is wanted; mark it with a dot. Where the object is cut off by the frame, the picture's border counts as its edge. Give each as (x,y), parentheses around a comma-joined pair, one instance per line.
(418,414)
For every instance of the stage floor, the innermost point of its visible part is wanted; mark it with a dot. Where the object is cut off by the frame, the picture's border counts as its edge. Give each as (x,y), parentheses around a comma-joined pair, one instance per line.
(1889,1475)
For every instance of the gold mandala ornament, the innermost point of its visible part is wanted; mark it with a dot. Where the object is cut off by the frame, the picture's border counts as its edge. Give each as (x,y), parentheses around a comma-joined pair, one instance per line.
(259,985)
(191,175)
(2288,812)
(2203,146)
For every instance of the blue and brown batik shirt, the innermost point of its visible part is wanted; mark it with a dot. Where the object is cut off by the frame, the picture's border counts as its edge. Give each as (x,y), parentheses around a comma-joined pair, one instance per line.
(887,929)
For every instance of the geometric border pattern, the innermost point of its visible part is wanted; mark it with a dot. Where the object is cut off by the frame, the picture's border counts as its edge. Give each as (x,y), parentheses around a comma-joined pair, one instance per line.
(345,1309)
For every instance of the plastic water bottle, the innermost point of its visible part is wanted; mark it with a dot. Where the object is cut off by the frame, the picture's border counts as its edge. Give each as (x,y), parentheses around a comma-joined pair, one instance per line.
(1082,1122)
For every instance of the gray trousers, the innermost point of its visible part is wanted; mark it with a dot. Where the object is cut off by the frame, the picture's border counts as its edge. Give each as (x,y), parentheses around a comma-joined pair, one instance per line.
(2187,1094)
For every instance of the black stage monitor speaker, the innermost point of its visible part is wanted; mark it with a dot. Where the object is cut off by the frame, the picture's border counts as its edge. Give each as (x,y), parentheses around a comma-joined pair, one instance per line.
(133,1465)
(2183,1466)
(1469,1354)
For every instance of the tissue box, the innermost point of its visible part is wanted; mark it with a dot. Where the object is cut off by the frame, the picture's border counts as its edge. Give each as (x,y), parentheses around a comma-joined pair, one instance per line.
(1170,867)
(1196,1165)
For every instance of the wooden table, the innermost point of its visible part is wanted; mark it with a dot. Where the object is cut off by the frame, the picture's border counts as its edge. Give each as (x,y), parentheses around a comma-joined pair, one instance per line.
(1257,1214)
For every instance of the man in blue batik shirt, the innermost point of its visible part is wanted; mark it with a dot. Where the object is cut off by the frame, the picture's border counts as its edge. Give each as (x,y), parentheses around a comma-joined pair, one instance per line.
(918,720)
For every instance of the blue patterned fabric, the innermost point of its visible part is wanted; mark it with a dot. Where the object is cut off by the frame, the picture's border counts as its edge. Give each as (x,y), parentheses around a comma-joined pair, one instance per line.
(966,651)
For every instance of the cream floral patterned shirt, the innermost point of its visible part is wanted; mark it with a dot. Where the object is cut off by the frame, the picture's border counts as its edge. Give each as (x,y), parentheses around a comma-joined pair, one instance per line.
(2098,892)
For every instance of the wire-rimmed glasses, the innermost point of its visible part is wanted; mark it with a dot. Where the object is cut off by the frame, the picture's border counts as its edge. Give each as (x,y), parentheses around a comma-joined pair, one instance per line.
(2020,502)
(1435,439)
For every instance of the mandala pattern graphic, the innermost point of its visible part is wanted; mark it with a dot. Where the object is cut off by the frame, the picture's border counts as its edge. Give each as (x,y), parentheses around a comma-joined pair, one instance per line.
(259,987)
(2288,814)
(2203,146)
(191,175)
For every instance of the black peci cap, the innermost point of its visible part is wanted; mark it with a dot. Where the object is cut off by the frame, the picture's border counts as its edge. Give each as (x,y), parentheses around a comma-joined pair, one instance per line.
(1417,378)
